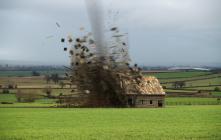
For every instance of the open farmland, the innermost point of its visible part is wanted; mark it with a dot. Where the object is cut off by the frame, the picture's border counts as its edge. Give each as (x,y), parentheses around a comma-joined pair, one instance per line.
(45,102)
(205,87)
(182,118)
(27,73)
(178,74)
(180,122)
(195,81)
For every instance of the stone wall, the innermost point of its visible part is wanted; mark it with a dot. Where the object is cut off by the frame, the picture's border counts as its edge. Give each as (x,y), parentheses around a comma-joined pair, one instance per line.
(146,101)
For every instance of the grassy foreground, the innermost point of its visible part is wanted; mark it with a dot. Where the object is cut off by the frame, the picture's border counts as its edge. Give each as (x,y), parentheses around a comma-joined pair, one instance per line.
(177,122)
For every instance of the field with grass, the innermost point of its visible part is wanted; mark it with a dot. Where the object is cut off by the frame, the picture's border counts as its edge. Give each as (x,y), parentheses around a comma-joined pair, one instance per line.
(192,101)
(182,118)
(179,122)
(173,75)
(27,73)
(45,102)
(195,81)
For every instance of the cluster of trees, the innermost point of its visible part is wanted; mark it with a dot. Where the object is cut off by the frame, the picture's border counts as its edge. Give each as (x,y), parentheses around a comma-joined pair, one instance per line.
(5,88)
(35,73)
(179,84)
(53,77)
(48,90)
(26,96)
(217,89)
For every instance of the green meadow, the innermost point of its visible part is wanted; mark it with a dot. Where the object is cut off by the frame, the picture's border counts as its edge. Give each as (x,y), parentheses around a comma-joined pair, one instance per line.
(183,118)
(178,122)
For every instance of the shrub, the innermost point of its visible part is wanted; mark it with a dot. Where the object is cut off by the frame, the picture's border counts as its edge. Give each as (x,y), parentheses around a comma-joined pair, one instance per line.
(26,96)
(11,86)
(216,89)
(35,73)
(62,84)
(47,90)
(5,91)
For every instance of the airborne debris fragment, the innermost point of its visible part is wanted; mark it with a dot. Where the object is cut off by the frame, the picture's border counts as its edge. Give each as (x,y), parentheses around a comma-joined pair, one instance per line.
(70,40)
(71,52)
(62,40)
(113,29)
(58,25)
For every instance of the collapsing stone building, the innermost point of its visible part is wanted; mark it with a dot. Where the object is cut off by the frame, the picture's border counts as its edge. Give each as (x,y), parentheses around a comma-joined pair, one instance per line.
(100,70)
(106,79)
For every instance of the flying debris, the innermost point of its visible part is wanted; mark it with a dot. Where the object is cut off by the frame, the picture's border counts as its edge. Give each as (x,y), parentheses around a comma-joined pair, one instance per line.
(70,40)
(91,41)
(100,69)
(66,74)
(117,35)
(62,40)
(71,52)
(68,68)
(58,25)
(113,29)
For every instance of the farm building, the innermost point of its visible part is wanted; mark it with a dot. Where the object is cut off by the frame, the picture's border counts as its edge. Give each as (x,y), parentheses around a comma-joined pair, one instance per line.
(103,76)
(145,100)
(149,93)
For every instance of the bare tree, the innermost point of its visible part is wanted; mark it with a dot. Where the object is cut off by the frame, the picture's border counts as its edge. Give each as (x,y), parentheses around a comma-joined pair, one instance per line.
(47,90)
(55,78)
(26,96)
(62,84)
(47,78)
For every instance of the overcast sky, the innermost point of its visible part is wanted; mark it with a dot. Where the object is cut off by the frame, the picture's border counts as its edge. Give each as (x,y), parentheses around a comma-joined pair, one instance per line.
(161,32)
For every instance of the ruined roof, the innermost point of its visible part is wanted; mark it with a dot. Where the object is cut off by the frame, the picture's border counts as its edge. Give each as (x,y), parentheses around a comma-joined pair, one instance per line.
(147,86)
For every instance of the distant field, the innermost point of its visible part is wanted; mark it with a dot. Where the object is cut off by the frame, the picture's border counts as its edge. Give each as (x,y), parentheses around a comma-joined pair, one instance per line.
(191,101)
(180,123)
(44,102)
(173,75)
(194,81)
(28,73)
(183,118)
(28,82)
(216,93)
(205,85)
(12,99)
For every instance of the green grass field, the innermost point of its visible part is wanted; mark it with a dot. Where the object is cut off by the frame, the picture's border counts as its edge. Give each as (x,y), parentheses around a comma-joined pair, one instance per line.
(180,122)
(183,118)
(44,102)
(196,80)
(192,101)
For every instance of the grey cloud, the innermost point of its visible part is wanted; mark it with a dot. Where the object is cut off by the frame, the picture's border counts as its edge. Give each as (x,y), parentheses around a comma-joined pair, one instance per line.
(160,31)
